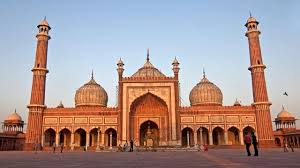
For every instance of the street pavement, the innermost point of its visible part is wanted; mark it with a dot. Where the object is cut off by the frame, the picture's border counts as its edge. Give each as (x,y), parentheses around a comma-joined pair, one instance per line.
(228,158)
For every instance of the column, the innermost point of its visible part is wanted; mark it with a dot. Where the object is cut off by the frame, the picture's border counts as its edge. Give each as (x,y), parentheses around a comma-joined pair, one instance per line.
(110,140)
(201,136)
(72,141)
(226,137)
(98,139)
(87,139)
(65,139)
(195,138)
(241,138)
(188,138)
(210,138)
(42,141)
(102,139)
(57,139)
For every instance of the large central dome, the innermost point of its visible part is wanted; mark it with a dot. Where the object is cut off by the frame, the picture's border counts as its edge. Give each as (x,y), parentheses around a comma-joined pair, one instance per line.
(148,70)
(91,94)
(206,93)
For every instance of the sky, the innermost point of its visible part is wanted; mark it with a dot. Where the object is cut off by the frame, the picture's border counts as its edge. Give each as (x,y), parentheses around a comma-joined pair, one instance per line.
(93,35)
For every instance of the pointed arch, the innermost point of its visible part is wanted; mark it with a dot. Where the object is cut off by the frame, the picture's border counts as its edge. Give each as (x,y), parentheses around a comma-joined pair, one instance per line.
(233,136)
(49,137)
(218,136)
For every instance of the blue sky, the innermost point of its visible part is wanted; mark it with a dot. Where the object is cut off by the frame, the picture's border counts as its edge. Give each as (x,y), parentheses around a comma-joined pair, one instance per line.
(93,35)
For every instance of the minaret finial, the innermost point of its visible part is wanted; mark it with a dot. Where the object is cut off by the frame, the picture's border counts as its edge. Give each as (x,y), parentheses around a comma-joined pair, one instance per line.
(203,72)
(250,13)
(148,55)
(282,107)
(44,17)
(92,74)
(15,110)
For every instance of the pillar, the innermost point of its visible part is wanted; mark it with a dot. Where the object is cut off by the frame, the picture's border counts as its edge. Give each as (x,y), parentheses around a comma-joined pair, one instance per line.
(102,139)
(72,141)
(42,140)
(57,139)
(188,138)
(201,136)
(210,138)
(110,140)
(241,138)
(226,137)
(98,137)
(195,138)
(87,139)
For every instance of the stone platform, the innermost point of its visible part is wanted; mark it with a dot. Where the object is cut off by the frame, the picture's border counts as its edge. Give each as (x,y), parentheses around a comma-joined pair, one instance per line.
(213,158)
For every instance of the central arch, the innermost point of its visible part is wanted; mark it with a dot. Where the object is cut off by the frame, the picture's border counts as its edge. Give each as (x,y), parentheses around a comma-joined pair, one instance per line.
(148,108)
(149,134)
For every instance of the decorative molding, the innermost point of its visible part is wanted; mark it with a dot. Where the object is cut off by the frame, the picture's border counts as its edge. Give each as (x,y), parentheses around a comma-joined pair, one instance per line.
(96,120)
(81,120)
(66,120)
(202,118)
(50,120)
(110,120)
(186,119)
(217,118)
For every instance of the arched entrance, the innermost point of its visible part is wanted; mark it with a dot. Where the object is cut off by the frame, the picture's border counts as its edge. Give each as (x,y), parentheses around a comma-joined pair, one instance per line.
(49,139)
(187,137)
(218,136)
(155,110)
(204,133)
(111,137)
(277,142)
(149,134)
(233,136)
(80,137)
(65,137)
(94,137)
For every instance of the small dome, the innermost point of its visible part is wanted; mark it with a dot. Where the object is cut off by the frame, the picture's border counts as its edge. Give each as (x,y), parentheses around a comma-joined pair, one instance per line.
(251,19)
(284,114)
(44,23)
(60,105)
(91,94)
(206,93)
(14,117)
(175,62)
(120,62)
(148,70)
(237,103)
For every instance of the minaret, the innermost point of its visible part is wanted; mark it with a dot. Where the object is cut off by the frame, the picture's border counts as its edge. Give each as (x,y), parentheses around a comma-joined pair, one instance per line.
(37,101)
(260,95)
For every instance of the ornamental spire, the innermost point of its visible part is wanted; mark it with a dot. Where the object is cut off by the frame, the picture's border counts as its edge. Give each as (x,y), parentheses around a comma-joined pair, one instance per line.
(148,55)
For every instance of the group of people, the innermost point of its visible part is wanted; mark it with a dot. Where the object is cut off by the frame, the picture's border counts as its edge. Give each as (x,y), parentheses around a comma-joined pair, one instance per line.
(250,139)
(287,145)
(125,146)
(61,147)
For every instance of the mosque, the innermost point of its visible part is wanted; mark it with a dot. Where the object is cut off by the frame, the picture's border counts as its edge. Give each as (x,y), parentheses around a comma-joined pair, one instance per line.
(148,109)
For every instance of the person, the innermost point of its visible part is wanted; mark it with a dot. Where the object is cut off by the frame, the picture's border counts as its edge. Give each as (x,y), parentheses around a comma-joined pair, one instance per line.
(54,145)
(125,146)
(285,146)
(247,141)
(255,143)
(291,145)
(61,147)
(131,146)
(120,149)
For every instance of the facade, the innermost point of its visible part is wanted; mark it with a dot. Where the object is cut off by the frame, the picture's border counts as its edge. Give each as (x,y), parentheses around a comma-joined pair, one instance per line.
(286,131)
(148,109)
(12,137)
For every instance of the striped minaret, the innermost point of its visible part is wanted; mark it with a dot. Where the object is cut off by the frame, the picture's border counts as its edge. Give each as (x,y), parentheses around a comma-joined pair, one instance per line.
(37,101)
(260,95)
